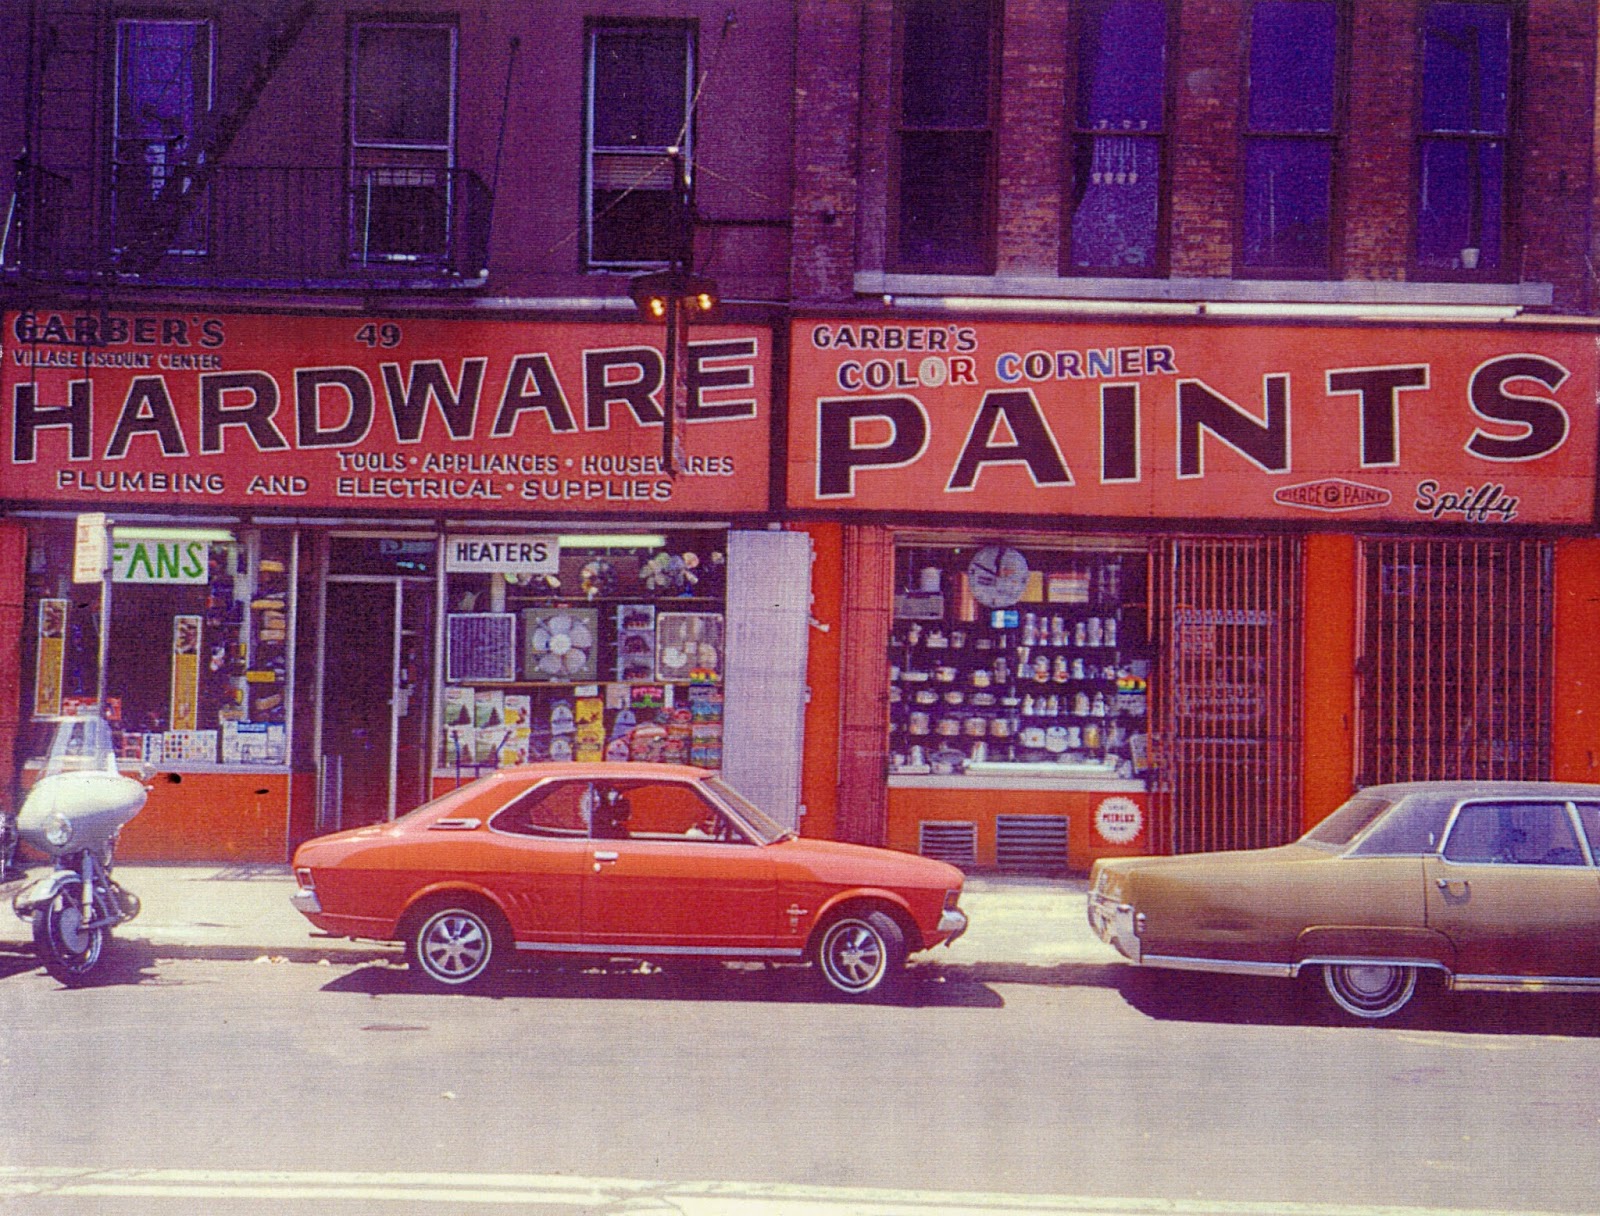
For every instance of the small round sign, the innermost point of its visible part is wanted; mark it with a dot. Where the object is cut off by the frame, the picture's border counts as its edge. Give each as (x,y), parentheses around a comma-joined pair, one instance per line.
(1118,820)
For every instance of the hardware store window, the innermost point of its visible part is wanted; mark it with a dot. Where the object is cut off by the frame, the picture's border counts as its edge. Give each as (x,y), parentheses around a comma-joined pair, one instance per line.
(613,650)
(197,669)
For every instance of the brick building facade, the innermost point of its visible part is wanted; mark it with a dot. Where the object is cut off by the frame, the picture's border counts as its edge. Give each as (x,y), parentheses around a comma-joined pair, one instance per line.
(1200,329)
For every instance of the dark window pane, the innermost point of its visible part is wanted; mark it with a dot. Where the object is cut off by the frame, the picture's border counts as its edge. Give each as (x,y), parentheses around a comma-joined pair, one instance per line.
(1122,46)
(632,226)
(640,87)
(944,78)
(1293,50)
(1459,216)
(1286,203)
(403,85)
(163,80)
(1466,68)
(1116,179)
(943,181)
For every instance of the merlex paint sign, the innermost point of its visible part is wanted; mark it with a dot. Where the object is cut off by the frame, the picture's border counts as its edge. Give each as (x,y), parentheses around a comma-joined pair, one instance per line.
(350,413)
(1480,425)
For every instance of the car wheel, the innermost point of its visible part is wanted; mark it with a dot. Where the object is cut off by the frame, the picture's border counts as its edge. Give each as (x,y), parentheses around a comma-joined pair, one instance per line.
(862,953)
(453,946)
(1370,990)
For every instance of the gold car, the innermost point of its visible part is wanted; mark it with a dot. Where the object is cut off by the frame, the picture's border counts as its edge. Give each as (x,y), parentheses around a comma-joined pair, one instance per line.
(1490,885)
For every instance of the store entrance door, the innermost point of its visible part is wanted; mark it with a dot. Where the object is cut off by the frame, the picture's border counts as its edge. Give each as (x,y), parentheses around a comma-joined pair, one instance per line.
(375,682)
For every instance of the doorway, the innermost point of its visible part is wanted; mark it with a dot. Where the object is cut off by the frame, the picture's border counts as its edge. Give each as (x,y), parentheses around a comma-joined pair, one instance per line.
(375,679)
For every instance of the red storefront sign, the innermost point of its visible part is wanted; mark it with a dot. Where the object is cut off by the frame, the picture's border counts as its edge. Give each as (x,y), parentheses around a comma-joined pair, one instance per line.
(1482,425)
(355,413)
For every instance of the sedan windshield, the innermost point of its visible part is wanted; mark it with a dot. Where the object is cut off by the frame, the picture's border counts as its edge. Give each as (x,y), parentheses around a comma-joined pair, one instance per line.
(766,829)
(1345,824)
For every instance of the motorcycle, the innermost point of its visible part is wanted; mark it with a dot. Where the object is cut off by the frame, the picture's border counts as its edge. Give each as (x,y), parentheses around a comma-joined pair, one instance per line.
(73,814)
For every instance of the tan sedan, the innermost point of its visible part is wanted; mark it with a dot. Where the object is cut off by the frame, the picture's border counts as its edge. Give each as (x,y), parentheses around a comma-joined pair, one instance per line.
(1489,885)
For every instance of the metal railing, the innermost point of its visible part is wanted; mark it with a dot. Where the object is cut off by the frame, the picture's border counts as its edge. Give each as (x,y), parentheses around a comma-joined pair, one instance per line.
(283,227)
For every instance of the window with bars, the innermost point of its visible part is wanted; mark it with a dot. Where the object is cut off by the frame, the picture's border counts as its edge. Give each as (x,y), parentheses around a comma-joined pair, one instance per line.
(945,139)
(1119,136)
(1455,670)
(1462,138)
(163,90)
(641,90)
(1290,137)
(402,140)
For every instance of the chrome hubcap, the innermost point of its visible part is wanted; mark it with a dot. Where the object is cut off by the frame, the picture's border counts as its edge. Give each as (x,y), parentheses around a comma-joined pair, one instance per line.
(455,946)
(853,955)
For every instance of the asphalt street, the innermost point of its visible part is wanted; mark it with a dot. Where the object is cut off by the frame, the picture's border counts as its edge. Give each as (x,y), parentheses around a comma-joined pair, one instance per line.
(223,1079)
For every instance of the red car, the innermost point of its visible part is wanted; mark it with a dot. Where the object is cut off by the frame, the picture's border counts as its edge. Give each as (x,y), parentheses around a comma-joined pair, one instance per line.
(622,860)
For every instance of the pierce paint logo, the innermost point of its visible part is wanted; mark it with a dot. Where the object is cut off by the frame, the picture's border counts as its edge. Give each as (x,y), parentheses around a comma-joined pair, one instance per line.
(1332,494)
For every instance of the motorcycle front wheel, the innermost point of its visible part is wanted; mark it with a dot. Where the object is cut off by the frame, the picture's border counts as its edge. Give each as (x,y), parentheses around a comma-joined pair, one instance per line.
(68,950)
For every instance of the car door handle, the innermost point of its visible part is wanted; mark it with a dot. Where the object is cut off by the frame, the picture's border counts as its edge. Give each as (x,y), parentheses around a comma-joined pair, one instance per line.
(603,857)
(1444,884)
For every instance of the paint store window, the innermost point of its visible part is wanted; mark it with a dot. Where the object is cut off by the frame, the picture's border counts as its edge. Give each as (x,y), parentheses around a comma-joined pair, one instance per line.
(1462,144)
(1120,138)
(1011,659)
(1291,137)
(583,647)
(949,56)
(197,660)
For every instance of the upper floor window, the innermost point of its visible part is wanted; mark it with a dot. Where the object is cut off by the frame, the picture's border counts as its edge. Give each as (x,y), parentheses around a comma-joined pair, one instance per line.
(1463,127)
(1290,137)
(1119,136)
(402,140)
(641,91)
(945,156)
(163,89)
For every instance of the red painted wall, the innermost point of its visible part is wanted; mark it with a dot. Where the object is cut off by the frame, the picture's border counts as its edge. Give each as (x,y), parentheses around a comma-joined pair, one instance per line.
(1328,715)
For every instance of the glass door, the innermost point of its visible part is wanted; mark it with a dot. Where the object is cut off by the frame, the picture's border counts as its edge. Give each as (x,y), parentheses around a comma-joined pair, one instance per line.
(375,681)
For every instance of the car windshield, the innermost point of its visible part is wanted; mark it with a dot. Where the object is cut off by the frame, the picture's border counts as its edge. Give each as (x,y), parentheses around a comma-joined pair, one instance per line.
(1345,824)
(766,829)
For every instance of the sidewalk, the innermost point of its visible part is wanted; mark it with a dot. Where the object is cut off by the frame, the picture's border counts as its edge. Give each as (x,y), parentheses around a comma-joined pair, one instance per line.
(1022,928)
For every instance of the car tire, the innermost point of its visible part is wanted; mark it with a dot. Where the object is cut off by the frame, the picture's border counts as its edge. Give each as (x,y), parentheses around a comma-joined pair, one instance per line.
(1370,991)
(862,955)
(454,945)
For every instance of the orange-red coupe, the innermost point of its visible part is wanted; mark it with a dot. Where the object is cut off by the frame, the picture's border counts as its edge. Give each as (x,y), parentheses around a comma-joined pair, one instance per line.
(622,861)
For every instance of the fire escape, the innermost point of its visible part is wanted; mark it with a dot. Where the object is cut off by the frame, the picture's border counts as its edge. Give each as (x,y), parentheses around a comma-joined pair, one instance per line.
(106,196)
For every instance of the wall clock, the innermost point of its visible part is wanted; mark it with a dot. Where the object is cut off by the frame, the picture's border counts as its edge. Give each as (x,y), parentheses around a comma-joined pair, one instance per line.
(998,575)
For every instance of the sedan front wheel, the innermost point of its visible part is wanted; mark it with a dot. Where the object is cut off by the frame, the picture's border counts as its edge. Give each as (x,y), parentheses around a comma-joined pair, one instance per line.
(862,953)
(1370,990)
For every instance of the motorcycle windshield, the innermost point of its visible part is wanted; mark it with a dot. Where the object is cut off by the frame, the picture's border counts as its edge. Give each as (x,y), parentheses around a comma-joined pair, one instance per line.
(79,745)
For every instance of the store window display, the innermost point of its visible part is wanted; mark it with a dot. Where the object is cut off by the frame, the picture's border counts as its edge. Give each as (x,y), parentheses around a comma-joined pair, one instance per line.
(1011,659)
(197,669)
(614,651)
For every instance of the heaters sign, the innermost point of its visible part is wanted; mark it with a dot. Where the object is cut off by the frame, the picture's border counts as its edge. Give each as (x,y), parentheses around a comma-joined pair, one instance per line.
(1480,425)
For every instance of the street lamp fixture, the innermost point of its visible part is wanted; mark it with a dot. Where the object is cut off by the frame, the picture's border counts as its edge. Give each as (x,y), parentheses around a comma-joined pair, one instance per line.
(654,294)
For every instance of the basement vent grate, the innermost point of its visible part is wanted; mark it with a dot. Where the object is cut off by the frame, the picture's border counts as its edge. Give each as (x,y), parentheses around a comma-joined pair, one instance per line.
(1030,842)
(943,840)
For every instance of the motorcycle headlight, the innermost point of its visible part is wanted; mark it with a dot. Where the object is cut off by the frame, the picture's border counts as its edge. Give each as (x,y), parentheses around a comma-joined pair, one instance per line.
(57,830)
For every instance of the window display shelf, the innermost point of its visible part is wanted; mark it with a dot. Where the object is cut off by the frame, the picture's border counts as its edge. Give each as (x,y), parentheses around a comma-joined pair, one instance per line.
(1006,664)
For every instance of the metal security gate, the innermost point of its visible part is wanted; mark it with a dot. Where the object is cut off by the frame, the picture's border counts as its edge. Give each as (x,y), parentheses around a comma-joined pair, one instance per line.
(1455,672)
(1227,734)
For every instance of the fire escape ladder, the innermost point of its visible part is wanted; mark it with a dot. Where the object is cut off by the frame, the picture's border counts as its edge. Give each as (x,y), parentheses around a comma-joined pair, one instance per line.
(198,161)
